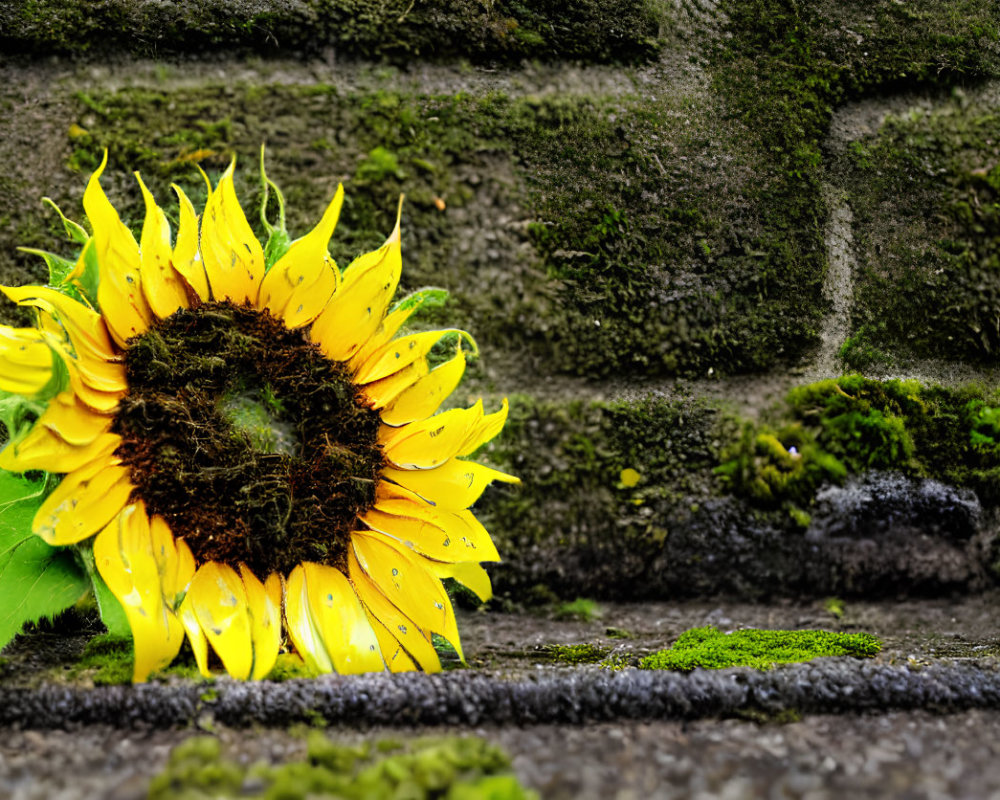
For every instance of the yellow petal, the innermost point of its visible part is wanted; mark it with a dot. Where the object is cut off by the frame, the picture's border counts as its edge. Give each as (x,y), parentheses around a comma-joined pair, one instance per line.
(430,442)
(175,562)
(196,636)
(127,560)
(72,421)
(265,624)
(43,449)
(382,393)
(98,372)
(97,401)
(356,310)
(416,642)
(186,258)
(84,328)
(84,502)
(395,657)
(161,284)
(341,621)
(119,292)
(298,286)
(425,395)
(26,361)
(219,601)
(400,353)
(472,576)
(383,335)
(401,577)
(454,485)
(433,532)
(233,258)
(485,430)
(303,628)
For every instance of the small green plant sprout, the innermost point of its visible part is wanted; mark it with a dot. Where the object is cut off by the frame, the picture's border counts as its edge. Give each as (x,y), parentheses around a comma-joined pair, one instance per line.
(709,648)
(834,606)
(581,609)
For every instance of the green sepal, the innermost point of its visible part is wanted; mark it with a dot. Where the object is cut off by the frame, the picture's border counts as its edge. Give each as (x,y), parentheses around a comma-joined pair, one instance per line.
(59,267)
(429,297)
(18,413)
(74,230)
(278,240)
(112,613)
(59,271)
(277,245)
(36,581)
(90,279)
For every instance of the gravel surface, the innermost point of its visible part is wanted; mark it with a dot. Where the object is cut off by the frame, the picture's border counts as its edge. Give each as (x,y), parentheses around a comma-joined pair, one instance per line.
(913,755)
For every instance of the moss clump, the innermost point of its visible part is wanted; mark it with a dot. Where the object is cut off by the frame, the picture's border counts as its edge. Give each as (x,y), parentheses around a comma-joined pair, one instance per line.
(575,653)
(398,30)
(827,430)
(289,666)
(109,657)
(456,768)
(581,609)
(709,648)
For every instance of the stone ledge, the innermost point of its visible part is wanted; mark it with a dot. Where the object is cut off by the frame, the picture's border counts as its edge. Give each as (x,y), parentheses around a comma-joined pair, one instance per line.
(833,685)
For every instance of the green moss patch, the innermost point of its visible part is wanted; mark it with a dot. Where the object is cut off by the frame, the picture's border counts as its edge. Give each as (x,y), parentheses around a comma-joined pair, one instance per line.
(709,648)
(827,430)
(575,653)
(455,768)
(398,30)
(107,659)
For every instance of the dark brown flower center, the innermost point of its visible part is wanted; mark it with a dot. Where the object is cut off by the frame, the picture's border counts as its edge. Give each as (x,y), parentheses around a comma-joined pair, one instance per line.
(250,443)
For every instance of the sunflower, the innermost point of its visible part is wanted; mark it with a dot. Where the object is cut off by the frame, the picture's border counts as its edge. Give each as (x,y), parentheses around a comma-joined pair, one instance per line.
(246,441)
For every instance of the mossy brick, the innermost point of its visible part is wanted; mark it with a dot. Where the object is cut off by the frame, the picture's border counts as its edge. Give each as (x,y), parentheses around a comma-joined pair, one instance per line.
(396,30)
(712,512)
(925,193)
(656,243)
(784,66)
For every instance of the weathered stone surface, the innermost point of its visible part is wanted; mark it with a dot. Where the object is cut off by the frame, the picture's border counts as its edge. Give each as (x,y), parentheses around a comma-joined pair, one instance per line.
(627,243)
(593,30)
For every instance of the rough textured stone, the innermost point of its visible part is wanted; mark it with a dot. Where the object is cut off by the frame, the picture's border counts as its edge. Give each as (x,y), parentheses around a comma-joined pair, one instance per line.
(642,251)
(827,686)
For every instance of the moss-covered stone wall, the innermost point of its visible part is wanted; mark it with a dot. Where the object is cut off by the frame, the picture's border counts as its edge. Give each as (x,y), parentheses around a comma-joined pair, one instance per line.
(630,204)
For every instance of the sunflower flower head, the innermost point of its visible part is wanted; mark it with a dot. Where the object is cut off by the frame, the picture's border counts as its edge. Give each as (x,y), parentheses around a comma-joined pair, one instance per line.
(248,447)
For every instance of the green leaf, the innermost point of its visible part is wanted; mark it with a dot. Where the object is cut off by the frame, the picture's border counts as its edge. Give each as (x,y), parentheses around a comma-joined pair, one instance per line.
(36,581)
(112,613)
